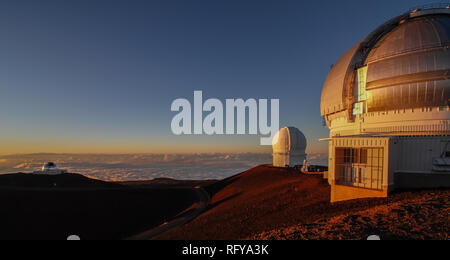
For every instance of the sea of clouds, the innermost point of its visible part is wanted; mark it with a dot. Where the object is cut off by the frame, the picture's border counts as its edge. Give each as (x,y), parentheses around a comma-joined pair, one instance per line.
(131,167)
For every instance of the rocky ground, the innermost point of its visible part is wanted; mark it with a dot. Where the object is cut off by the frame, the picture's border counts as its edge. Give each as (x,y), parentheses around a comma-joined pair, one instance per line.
(419,216)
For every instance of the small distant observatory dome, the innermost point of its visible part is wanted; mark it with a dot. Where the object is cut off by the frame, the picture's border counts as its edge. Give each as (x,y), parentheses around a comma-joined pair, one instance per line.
(50,169)
(289,147)
(49,166)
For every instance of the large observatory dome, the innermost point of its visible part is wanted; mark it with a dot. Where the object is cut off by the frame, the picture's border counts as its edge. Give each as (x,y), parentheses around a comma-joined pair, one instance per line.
(396,80)
(289,146)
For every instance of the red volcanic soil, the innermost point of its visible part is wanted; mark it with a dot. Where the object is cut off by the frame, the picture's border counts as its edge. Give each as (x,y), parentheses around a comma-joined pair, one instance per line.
(418,216)
(54,207)
(251,202)
(264,202)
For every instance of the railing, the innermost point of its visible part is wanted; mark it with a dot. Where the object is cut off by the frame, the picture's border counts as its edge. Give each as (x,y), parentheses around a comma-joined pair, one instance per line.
(365,183)
(430,6)
(374,182)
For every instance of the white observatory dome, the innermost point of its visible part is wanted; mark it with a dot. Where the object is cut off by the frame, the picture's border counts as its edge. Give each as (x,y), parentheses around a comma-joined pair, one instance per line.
(289,147)
(49,166)
(50,169)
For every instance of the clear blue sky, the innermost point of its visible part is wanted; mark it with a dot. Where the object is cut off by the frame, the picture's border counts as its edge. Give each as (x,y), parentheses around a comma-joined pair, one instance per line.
(100,76)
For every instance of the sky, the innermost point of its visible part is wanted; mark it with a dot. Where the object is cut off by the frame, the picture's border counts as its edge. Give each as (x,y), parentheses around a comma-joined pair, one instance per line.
(100,76)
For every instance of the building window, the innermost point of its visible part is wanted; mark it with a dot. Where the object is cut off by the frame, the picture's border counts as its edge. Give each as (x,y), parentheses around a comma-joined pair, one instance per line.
(362,82)
(447,154)
(360,167)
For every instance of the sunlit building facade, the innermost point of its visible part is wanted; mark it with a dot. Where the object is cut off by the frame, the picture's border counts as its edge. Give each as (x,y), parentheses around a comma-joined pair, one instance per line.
(386,102)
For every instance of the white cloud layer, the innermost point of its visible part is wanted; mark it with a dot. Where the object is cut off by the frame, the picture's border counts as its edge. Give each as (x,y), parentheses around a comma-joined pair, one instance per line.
(129,167)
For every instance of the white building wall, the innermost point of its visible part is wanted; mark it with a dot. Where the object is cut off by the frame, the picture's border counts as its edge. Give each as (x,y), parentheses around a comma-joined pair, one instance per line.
(406,154)
(280,160)
(416,154)
(288,159)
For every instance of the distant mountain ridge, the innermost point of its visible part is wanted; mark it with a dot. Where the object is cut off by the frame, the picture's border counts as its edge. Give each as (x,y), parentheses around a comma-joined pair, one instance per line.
(68,180)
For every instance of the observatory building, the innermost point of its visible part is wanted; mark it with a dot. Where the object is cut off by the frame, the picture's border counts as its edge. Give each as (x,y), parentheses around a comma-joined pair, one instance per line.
(289,146)
(50,169)
(386,103)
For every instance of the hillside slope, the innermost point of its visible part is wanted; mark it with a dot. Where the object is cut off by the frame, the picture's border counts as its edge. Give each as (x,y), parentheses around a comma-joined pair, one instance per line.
(68,180)
(262,201)
(42,207)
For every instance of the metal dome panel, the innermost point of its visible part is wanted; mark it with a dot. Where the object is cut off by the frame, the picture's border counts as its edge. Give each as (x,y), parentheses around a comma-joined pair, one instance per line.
(413,63)
(410,66)
(413,35)
(333,94)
